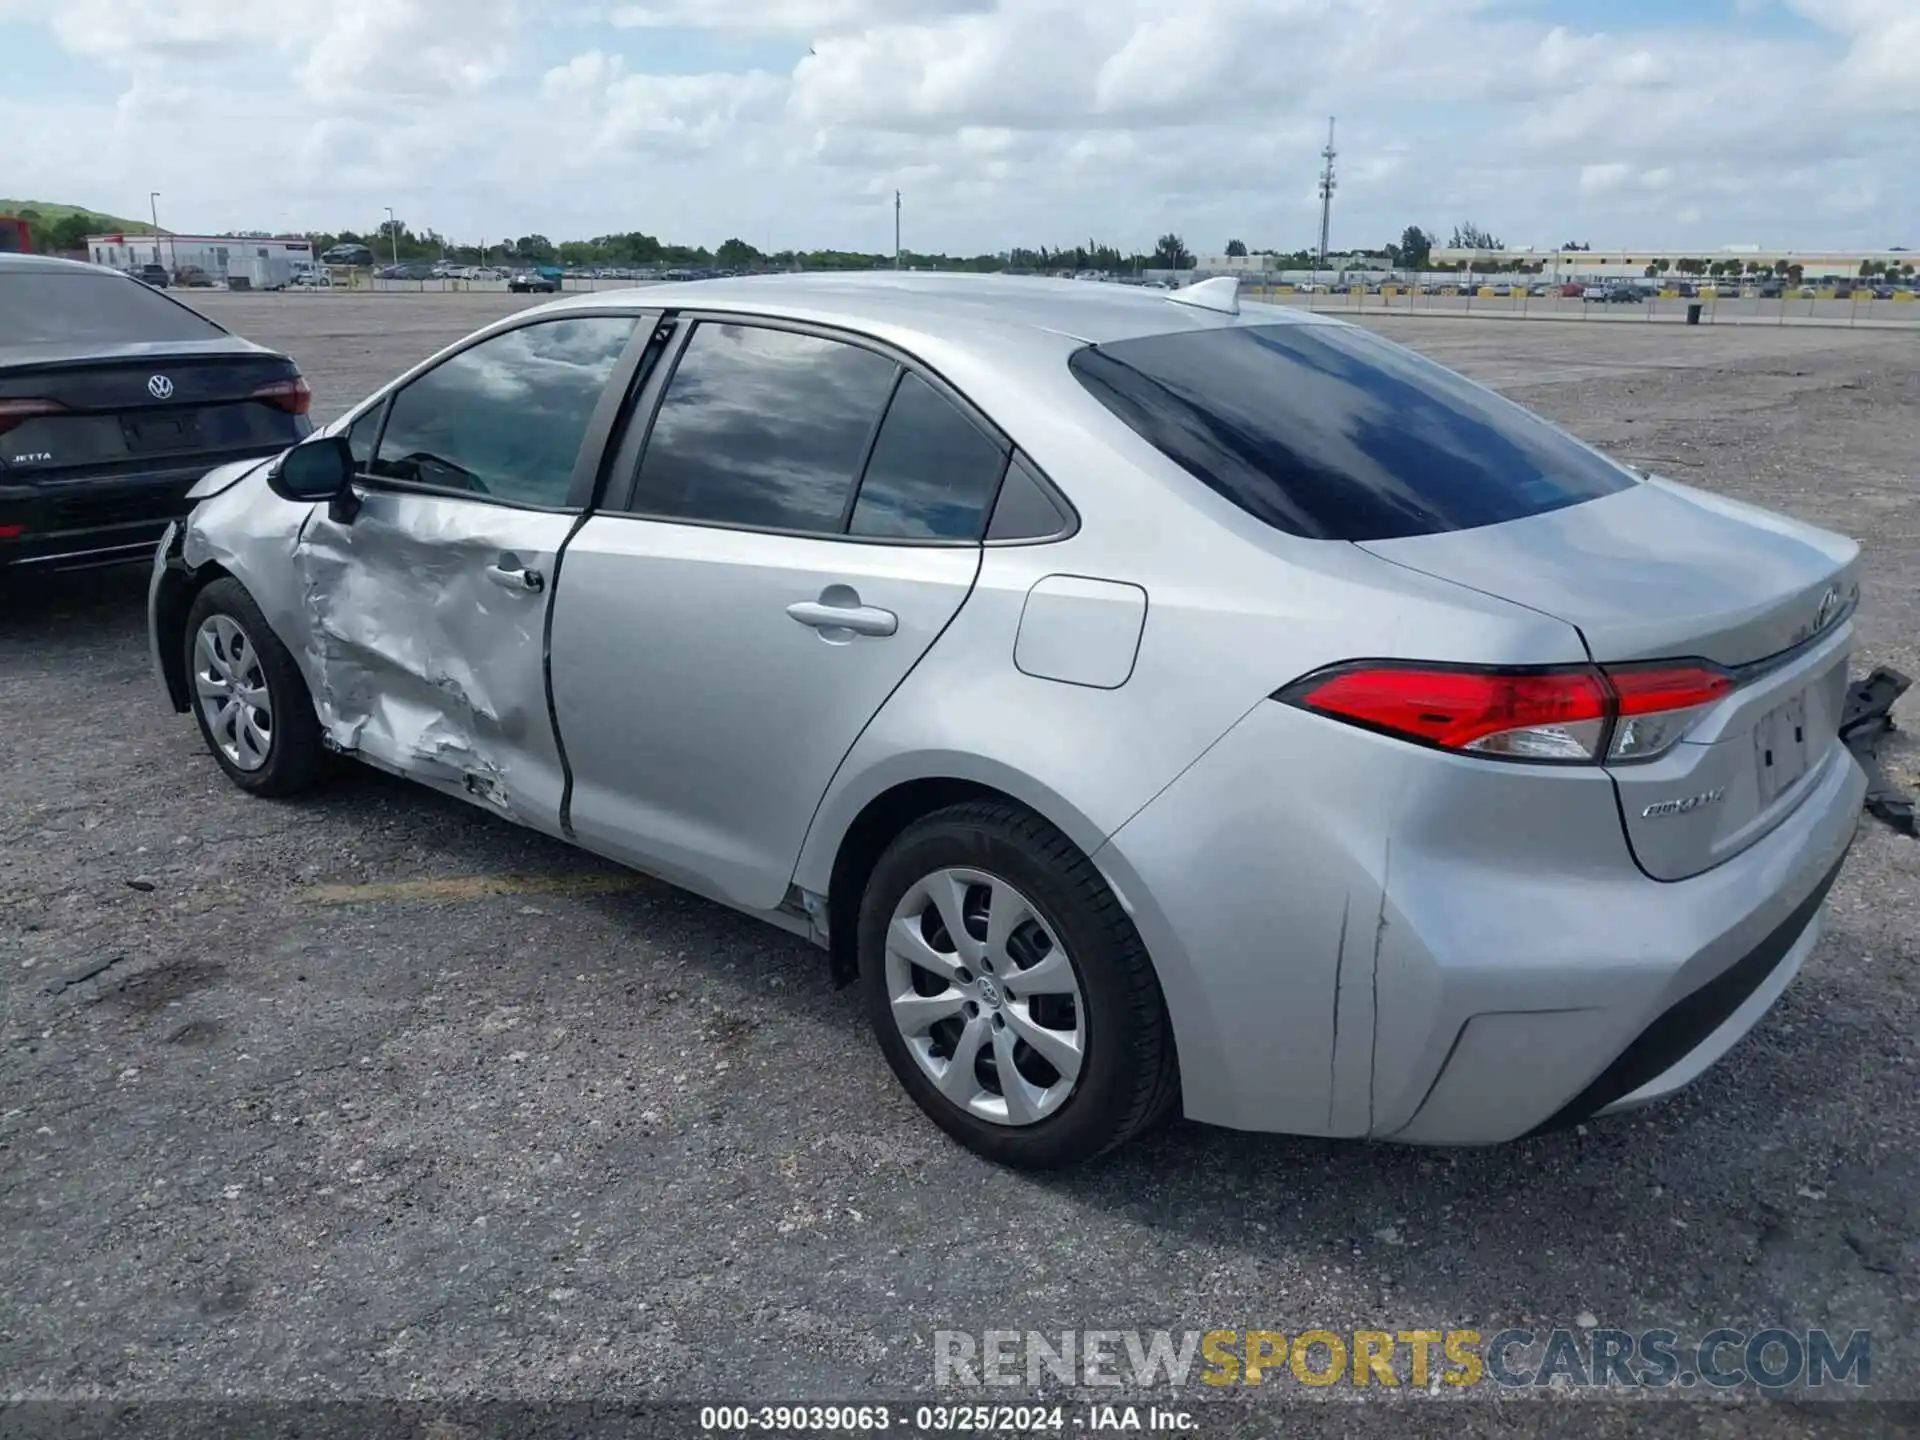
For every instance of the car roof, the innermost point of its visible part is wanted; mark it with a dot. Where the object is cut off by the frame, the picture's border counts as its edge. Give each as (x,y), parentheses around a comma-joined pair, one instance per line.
(949,309)
(13,263)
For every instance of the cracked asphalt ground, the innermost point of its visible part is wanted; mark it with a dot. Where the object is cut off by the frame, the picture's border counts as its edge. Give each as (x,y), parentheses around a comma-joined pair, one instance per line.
(372,1094)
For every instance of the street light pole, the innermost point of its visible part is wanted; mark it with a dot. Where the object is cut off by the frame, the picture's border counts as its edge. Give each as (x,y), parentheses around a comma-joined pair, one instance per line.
(393,234)
(153,209)
(896,229)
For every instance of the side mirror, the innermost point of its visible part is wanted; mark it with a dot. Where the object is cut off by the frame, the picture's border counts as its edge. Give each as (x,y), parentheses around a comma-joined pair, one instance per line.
(318,469)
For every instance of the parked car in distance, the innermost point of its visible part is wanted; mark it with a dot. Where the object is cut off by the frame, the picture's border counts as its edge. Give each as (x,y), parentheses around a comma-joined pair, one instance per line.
(1572,290)
(1594,292)
(912,529)
(154,275)
(317,278)
(114,400)
(1884,292)
(1771,290)
(531,282)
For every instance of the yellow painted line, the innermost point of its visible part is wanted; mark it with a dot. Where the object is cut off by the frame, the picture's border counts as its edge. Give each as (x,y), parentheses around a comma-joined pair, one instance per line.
(458,888)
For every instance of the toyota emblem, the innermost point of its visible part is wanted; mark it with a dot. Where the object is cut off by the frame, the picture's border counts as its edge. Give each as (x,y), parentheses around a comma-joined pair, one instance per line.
(160,387)
(1830,604)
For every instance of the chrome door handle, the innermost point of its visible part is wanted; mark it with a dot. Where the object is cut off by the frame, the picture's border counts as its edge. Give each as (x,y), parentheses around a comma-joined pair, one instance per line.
(860,619)
(527,582)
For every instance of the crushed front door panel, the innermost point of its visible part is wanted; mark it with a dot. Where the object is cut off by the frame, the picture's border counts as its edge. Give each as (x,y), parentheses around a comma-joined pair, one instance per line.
(428,618)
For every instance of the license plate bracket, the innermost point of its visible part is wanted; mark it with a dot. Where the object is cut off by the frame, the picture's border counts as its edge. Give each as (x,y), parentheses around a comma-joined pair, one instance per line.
(160,433)
(1780,748)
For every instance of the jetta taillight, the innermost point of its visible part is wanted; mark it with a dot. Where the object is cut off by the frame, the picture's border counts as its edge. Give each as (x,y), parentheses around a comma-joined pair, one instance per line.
(18,412)
(1567,714)
(293,396)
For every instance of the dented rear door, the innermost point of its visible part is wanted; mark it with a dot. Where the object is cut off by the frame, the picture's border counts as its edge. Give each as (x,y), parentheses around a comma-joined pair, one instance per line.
(428,603)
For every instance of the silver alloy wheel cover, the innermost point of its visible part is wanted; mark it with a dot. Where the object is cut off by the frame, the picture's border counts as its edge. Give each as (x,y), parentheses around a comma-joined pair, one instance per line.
(232,691)
(988,992)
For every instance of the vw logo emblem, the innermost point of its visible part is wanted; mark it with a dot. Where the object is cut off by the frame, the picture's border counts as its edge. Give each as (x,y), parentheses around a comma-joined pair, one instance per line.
(160,387)
(1829,607)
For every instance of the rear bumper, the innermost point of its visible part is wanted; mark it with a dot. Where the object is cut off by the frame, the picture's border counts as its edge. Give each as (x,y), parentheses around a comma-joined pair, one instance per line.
(106,519)
(1373,940)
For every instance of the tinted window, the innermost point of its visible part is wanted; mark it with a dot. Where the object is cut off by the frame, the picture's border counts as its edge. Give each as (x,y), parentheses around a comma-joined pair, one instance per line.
(932,472)
(1024,510)
(361,435)
(505,419)
(763,428)
(1330,432)
(79,307)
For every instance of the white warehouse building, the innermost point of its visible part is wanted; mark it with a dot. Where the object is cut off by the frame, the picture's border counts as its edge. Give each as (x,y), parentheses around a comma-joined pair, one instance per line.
(215,254)
(1632,263)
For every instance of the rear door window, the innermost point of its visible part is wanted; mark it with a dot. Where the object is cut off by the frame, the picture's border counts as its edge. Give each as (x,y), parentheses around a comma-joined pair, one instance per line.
(1329,432)
(764,429)
(83,307)
(932,473)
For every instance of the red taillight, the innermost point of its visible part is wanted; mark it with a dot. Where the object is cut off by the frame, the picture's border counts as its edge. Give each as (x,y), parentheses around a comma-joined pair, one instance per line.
(293,396)
(1567,714)
(1658,703)
(18,412)
(1649,689)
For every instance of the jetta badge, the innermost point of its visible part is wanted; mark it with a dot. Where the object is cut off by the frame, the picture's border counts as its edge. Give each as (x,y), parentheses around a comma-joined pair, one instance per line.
(160,387)
(1829,607)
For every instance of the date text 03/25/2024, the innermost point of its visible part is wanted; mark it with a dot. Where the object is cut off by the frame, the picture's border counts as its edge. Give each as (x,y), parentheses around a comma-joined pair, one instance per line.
(938,1419)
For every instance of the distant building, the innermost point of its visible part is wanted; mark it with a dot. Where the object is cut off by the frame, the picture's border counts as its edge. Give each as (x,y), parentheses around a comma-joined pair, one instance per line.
(1612,263)
(214,254)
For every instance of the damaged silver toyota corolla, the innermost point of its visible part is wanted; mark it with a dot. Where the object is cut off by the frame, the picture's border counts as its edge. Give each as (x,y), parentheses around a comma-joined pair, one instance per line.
(1159,704)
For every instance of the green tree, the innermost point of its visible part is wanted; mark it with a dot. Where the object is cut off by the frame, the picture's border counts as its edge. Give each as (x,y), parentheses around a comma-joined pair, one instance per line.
(1236,247)
(736,253)
(1469,236)
(534,248)
(1170,253)
(1414,250)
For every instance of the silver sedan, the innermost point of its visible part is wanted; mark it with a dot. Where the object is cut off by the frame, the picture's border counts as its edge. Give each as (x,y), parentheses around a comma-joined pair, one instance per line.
(1158,704)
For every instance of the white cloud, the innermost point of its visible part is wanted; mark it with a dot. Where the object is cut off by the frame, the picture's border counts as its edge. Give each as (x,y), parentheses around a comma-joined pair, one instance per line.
(1602,179)
(1003,121)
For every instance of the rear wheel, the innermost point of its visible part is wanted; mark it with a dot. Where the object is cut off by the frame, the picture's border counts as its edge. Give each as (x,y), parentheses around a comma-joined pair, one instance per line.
(248,695)
(1010,992)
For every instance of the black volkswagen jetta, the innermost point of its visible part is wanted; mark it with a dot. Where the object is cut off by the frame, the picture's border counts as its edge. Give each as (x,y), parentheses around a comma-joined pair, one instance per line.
(114,399)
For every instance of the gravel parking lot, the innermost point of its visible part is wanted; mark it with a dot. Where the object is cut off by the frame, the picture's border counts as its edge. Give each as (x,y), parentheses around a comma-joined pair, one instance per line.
(375,1095)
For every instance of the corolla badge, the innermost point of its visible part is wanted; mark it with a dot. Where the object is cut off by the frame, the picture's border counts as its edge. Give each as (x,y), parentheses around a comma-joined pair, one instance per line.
(1659,810)
(160,387)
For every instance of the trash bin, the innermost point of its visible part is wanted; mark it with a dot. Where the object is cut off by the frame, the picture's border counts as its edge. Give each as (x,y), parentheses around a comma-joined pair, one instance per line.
(1693,314)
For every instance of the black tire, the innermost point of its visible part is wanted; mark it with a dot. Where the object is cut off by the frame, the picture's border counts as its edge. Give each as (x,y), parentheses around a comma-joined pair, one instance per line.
(295,758)
(1129,1079)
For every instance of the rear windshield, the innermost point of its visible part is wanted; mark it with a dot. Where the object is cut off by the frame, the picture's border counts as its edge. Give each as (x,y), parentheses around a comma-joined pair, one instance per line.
(1329,432)
(38,308)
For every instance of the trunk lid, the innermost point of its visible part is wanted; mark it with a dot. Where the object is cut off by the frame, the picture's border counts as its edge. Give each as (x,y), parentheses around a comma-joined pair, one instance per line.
(1663,571)
(156,406)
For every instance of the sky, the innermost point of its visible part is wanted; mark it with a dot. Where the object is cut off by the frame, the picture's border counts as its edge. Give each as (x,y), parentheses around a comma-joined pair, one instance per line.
(1657,124)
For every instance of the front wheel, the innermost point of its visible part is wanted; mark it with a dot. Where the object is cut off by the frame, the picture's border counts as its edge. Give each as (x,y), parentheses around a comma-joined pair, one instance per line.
(1010,992)
(248,696)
